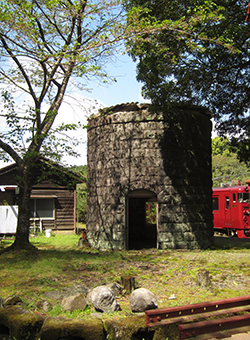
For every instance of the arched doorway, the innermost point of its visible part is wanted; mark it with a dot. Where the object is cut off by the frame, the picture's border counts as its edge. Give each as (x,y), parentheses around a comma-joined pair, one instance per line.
(142,214)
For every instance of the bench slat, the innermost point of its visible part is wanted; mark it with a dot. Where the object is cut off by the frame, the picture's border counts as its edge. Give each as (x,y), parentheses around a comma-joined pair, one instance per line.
(229,325)
(158,315)
(190,318)
(221,335)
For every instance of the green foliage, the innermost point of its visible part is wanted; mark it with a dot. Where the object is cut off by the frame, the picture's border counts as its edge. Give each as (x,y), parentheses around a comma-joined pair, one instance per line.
(151,212)
(80,170)
(81,194)
(242,144)
(223,147)
(57,310)
(42,45)
(226,167)
(81,204)
(196,52)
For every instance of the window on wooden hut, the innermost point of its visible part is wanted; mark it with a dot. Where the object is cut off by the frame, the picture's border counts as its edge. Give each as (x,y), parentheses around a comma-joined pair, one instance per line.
(42,208)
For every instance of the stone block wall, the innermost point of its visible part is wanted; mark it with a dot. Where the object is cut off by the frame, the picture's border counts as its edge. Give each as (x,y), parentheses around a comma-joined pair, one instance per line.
(161,156)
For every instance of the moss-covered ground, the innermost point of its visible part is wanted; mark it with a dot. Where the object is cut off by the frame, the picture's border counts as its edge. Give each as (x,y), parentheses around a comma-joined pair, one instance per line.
(60,263)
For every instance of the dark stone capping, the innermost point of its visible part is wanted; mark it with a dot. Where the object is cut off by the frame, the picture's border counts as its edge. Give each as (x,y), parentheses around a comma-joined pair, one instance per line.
(135,107)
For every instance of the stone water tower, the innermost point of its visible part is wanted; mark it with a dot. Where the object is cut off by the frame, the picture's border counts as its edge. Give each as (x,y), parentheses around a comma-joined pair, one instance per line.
(143,163)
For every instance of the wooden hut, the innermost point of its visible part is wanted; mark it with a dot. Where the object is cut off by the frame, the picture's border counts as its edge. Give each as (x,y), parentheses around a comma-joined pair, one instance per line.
(53,198)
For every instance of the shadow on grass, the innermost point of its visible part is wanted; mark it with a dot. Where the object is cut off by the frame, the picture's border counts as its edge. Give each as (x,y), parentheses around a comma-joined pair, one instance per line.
(68,258)
(221,242)
(50,251)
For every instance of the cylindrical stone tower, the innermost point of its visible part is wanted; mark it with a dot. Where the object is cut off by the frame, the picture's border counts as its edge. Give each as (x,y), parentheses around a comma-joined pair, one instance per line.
(142,162)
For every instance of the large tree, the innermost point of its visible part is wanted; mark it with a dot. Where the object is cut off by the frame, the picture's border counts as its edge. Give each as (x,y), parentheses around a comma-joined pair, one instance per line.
(204,61)
(43,45)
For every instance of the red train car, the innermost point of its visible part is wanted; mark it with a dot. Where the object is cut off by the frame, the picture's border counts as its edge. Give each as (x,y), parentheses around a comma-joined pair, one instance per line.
(231,210)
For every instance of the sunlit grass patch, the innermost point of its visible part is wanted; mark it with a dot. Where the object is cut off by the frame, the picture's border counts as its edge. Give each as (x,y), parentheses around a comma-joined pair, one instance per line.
(60,263)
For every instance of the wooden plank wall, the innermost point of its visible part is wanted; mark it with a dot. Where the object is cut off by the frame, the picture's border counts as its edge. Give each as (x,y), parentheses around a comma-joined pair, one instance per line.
(64,209)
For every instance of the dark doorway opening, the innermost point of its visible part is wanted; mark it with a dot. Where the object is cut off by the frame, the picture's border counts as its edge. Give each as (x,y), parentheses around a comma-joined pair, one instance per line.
(142,219)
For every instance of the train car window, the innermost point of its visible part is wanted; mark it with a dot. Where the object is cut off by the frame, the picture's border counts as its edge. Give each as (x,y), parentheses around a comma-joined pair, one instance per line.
(246,197)
(227,202)
(243,197)
(234,197)
(215,203)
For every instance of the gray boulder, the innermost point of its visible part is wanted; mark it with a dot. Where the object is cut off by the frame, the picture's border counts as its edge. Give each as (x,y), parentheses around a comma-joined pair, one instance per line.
(46,306)
(72,303)
(77,289)
(142,299)
(54,294)
(115,287)
(72,291)
(103,300)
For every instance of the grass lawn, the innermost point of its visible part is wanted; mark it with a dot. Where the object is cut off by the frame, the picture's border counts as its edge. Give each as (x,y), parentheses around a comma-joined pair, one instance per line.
(60,263)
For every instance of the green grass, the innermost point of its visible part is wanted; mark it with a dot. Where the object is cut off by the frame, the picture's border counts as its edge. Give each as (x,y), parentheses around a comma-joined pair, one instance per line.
(60,263)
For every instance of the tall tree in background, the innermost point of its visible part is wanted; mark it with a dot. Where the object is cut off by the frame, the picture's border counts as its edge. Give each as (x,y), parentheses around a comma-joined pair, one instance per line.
(44,44)
(204,61)
(226,167)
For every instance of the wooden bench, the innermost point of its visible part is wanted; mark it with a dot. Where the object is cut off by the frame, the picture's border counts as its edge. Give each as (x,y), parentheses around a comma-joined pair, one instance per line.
(206,320)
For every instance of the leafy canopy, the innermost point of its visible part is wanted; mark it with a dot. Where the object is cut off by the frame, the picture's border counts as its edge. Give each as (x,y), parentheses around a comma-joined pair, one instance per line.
(196,52)
(44,45)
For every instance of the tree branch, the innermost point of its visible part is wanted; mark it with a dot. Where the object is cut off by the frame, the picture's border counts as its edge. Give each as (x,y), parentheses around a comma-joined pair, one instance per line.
(20,67)
(13,154)
(52,112)
(49,20)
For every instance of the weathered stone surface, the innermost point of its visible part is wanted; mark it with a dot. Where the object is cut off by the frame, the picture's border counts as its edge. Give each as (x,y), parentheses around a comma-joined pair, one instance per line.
(62,328)
(133,151)
(115,287)
(72,303)
(46,306)
(23,325)
(13,300)
(1,302)
(142,299)
(133,327)
(54,294)
(103,299)
(20,323)
(77,289)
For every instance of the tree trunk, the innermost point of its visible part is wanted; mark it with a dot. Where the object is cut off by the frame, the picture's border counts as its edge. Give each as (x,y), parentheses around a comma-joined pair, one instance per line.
(25,182)
(128,283)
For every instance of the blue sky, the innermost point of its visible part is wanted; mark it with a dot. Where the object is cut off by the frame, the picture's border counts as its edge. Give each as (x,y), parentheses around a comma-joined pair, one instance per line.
(126,89)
